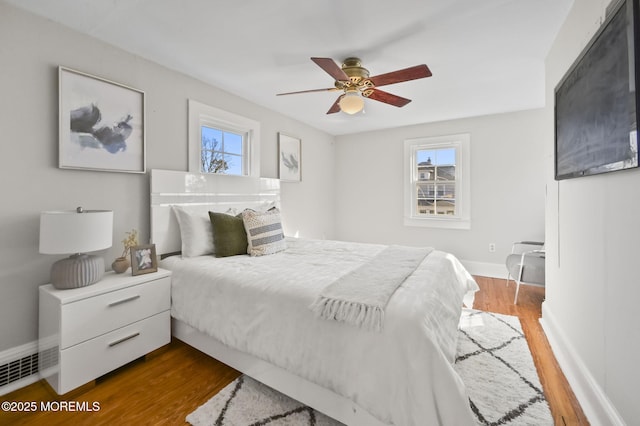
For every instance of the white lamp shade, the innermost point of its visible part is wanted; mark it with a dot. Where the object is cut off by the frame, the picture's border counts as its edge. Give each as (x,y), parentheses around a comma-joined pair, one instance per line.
(351,103)
(68,232)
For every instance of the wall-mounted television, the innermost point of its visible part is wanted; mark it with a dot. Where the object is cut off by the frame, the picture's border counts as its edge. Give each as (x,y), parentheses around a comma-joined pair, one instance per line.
(596,107)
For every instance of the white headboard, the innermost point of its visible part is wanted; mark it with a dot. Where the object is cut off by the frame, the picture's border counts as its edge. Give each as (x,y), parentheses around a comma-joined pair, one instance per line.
(201,193)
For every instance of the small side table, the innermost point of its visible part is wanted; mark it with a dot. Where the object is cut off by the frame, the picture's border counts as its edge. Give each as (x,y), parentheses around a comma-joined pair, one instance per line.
(90,331)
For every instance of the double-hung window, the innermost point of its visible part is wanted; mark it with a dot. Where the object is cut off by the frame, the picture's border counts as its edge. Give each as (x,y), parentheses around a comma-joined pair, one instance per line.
(437,182)
(222,142)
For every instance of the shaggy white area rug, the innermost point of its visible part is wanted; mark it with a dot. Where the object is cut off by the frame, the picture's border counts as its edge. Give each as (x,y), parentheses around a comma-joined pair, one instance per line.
(493,360)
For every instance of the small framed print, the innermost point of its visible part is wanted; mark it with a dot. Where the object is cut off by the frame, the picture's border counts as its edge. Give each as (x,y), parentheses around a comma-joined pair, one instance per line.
(143,259)
(102,124)
(290,161)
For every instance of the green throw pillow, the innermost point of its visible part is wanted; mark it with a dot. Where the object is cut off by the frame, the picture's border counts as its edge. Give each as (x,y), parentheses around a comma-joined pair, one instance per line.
(229,236)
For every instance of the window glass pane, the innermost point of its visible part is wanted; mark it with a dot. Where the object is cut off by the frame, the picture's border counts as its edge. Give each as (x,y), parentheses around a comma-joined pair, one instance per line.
(426,172)
(447,190)
(446,173)
(232,143)
(446,207)
(211,136)
(212,162)
(436,181)
(426,206)
(426,190)
(234,164)
(210,157)
(444,157)
(426,156)
(221,152)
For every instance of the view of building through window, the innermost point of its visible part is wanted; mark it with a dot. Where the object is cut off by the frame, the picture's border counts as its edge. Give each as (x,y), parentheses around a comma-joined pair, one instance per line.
(436,181)
(221,152)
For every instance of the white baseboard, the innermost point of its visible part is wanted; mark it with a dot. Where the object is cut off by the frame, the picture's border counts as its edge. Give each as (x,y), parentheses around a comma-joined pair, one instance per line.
(19,384)
(484,269)
(595,404)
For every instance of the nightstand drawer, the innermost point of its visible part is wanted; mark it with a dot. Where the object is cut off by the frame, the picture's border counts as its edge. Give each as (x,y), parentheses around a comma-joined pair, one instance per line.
(89,360)
(87,318)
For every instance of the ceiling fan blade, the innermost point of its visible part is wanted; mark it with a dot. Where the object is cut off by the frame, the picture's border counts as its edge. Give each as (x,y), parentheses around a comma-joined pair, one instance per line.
(407,74)
(329,89)
(331,68)
(335,107)
(388,98)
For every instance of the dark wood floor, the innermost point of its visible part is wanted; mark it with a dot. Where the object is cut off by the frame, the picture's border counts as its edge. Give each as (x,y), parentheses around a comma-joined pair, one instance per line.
(174,380)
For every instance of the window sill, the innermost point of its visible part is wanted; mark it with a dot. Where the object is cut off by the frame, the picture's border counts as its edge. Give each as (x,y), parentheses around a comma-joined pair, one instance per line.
(437,222)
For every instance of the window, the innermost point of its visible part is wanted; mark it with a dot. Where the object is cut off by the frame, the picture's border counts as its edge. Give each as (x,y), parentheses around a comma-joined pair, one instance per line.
(222,151)
(222,142)
(437,182)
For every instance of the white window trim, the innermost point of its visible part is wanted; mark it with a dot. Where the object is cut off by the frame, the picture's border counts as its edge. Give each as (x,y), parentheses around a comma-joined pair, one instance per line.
(462,143)
(205,115)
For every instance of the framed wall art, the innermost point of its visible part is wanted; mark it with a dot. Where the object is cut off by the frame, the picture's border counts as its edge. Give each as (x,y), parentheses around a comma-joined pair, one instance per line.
(289,154)
(143,259)
(102,124)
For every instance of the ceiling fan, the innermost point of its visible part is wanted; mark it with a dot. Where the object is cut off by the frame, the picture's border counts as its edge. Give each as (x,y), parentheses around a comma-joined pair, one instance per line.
(354,81)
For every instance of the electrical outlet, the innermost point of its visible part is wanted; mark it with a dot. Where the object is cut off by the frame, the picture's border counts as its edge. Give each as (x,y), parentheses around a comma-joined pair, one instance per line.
(492,247)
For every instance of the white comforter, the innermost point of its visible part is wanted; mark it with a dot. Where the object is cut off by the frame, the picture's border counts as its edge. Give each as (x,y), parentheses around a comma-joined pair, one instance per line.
(260,305)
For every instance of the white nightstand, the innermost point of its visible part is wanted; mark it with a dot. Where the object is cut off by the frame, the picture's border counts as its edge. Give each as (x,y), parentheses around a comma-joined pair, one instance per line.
(89,331)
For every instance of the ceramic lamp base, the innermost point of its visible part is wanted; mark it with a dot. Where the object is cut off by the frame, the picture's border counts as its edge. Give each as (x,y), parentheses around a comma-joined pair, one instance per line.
(79,270)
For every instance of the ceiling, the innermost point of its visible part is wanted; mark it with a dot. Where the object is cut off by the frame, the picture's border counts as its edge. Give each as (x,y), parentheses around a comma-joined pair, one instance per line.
(486,56)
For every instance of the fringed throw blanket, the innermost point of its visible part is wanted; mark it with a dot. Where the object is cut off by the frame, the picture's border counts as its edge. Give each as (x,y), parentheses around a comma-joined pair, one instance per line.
(360,296)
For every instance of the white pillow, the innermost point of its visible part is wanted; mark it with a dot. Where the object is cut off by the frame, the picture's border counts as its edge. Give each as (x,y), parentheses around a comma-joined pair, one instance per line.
(196,232)
(264,232)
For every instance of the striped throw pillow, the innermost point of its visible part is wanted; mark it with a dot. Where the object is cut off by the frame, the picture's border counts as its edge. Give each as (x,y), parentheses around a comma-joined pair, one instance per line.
(264,232)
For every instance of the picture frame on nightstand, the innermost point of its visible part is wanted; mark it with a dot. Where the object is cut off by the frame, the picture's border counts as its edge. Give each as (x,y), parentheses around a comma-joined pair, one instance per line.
(143,259)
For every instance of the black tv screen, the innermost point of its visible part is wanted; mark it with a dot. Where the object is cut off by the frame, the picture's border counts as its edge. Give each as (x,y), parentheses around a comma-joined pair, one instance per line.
(595,102)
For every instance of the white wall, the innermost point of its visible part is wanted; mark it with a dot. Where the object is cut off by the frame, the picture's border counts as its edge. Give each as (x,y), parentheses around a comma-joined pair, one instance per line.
(507,187)
(31,49)
(592,247)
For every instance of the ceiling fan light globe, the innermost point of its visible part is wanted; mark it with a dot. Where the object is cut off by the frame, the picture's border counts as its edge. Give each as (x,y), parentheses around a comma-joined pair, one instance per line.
(351,103)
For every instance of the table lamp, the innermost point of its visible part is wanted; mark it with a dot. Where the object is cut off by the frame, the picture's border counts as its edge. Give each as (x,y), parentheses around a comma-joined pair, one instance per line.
(76,232)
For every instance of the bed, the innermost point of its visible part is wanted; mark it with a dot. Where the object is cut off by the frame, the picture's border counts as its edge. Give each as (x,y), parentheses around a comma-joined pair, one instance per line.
(254,313)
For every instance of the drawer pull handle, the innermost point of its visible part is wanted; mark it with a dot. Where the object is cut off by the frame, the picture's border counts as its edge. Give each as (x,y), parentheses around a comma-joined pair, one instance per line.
(124,339)
(128,299)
